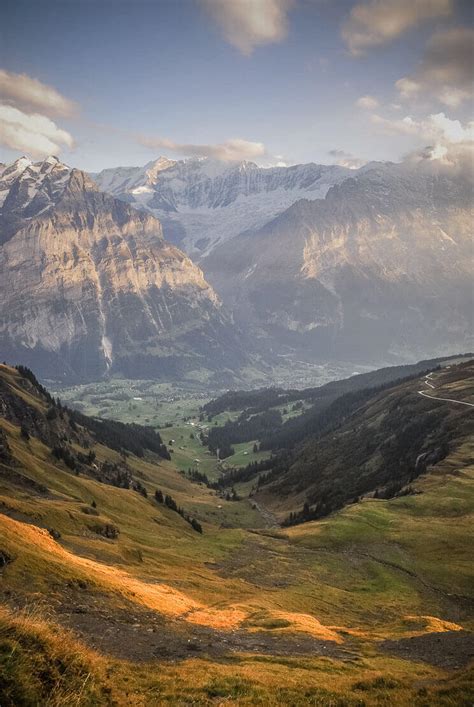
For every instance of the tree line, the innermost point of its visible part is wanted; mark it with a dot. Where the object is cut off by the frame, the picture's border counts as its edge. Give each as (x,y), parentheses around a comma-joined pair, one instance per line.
(170,503)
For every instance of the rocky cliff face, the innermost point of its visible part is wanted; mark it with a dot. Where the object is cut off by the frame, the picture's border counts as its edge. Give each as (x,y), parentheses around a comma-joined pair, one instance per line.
(88,285)
(381,269)
(203,202)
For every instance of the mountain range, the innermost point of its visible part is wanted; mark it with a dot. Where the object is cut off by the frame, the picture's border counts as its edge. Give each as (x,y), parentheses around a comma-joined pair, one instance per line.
(378,270)
(88,286)
(311,263)
(325,263)
(204,202)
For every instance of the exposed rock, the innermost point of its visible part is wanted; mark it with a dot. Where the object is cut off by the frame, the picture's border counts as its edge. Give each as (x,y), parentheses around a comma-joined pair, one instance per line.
(89,286)
(202,202)
(5,559)
(107,530)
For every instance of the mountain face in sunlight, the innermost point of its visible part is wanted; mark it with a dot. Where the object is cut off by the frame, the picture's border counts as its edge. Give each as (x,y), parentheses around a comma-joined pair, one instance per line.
(89,286)
(325,263)
(380,268)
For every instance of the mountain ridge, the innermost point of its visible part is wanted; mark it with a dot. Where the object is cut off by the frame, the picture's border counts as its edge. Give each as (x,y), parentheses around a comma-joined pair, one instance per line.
(377,268)
(100,289)
(202,202)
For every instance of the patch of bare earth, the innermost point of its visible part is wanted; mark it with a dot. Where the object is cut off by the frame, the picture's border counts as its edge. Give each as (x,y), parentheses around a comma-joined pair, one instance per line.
(141,636)
(449,649)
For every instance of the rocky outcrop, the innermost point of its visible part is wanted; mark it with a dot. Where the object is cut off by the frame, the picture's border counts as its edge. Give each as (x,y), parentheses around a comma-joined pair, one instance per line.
(89,286)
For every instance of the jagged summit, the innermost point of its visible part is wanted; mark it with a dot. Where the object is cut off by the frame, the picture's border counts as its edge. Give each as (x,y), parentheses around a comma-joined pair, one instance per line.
(28,189)
(88,285)
(204,201)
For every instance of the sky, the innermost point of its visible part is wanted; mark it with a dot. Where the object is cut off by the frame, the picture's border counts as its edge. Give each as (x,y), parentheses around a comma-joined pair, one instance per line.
(103,83)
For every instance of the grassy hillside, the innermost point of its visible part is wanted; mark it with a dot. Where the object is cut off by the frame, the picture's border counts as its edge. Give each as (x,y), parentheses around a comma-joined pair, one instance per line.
(376,442)
(370,606)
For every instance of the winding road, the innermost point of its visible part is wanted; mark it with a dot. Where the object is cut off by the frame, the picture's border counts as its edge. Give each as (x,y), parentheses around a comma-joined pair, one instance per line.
(425,394)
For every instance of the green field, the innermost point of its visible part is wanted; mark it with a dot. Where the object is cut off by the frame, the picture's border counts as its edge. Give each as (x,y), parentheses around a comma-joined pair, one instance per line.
(145,402)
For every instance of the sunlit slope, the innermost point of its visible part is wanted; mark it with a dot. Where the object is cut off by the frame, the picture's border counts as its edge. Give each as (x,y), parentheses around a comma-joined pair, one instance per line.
(289,616)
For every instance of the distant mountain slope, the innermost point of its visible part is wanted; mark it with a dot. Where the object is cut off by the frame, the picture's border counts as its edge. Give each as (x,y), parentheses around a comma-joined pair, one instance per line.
(375,441)
(380,269)
(203,202)
(335,397)
(70,436)
(89,286)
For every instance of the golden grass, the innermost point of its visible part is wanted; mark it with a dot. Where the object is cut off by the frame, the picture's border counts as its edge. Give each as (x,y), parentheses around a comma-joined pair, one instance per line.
(13,378)
(153,595)
(307,624)
(40,664)
(429,624)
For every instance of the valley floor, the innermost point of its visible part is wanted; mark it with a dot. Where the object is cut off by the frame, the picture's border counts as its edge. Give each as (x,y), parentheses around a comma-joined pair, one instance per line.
(370,606)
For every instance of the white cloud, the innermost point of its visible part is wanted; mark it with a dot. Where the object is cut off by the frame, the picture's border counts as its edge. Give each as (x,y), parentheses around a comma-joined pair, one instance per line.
(400,126)
(247,24)
(25,115)
(435,127)
(367,102)
(457,157)
(443,143)
(443,139)
(30,95)
(376,22)
(278,161)
(346,159)
(35,134)
(445,72)
(231,150)
(407,88)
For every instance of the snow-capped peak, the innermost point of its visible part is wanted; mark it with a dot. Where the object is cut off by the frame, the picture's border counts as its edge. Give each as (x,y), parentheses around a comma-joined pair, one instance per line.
(21,163)
(153,169)
(202,201)
(32,185)
(15,168)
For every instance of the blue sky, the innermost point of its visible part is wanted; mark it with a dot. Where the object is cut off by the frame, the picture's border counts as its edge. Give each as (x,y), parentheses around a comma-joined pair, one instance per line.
(284,78)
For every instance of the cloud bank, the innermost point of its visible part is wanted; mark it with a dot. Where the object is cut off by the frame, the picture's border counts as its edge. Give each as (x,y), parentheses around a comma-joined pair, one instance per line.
(445,72)
(35,134)
(450,142)
(346,159)
(247,24)
(371,24)
(26,113)
(231,150)
(30,95)
(435,127)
